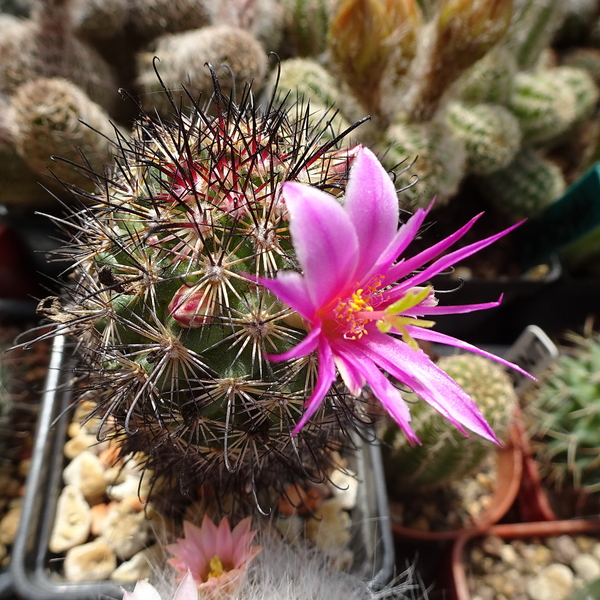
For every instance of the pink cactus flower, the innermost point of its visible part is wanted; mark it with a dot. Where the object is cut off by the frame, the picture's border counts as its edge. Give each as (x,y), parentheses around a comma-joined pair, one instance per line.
(143,590)
(216,557)
(362,303)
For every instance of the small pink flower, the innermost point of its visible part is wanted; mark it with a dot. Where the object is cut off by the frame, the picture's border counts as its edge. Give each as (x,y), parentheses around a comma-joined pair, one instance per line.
(217,557)
(143,590)
(362,303)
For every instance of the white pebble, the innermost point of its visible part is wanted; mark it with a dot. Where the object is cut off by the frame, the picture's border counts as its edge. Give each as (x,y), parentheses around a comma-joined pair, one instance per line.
(554,582)
(94,561)
(86,472)
(73,520)
(586,566)
(140,566)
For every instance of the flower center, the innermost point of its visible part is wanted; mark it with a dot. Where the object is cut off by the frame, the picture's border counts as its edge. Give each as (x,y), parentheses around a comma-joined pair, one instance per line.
(352,313)
(216,567)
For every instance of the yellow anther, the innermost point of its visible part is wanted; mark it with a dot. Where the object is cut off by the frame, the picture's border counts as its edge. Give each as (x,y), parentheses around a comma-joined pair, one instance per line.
(216,567)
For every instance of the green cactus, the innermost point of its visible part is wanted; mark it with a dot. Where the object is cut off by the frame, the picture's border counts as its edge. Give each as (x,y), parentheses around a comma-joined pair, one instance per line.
(306,26)
(490,132)
(545,106)
(183,58)
(46,117)
(525,187)
(582,84)
(171,325)
(564,417)
(587,59)
(445,454)
(151,18)
(490,79)
(425,157)
(45,46)
(100,19)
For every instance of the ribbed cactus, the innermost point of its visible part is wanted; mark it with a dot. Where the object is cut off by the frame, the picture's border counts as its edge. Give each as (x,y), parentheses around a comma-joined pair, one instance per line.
(526,186)
(46,116)
(170,322)
(235,54)
(445,454)
(564,416)
(151,18)
(490,132)
(439,161)
(306,25)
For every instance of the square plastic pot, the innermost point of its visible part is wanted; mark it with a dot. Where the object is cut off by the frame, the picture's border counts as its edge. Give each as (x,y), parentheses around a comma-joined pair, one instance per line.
(34,576)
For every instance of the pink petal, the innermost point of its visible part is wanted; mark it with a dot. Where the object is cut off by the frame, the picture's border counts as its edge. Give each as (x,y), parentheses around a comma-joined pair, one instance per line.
(371,203)
(417,371)
(405,235)
(187,589)
(408,266)
(389,396)
(441,338)
(351,376)
(324,239)
(325,377)
(223,543)
(290,288)
(458,309)
(306,346)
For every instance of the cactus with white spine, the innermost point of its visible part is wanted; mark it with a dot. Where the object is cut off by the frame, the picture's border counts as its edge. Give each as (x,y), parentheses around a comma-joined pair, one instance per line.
(171,326)
(526,186)
(490,132)
(445,455)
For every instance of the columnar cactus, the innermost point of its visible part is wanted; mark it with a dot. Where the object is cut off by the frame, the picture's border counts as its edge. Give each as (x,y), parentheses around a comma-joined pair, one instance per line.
(172,327)
(490,132)
(564,416)
(445,455)
(526,186)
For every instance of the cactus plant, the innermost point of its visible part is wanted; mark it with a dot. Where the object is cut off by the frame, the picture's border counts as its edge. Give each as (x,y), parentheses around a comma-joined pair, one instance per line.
(428,160)
(45,46)
(490,132)
(564,416)
(526,186)
(172,328)
(183,59)
(445,455)
(46,116)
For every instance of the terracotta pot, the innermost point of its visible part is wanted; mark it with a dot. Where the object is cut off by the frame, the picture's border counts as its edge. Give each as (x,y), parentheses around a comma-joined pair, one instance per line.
(510,464)
(459,589)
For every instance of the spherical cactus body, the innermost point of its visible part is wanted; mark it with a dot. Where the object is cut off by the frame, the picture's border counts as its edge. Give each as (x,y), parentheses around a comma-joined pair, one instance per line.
(172,326)
(564,416)
(445,454)
(182,61)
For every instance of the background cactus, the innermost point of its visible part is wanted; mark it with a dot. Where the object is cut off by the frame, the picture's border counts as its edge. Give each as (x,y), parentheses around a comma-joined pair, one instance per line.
(171,327)
(445,454)
(564,417)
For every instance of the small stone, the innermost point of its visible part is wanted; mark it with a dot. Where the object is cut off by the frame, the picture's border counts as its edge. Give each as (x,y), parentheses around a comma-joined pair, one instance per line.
(76,445)
(289,527)
(3,552)
(344,487)
(564,549)
(329,529)
(86,473)
(9,485)
(140,566)
(132,486)
(23,468)
(9,525)
(492,545)
(596,551)
(554,582)
(93,561)
(585,543)
(509,555)
(99,512)
(73,520)
(125,530)
(586,566)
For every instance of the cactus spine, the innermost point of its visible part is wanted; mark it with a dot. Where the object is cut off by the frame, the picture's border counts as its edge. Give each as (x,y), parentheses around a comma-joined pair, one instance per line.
(564,416)
(445,455)
(171,325)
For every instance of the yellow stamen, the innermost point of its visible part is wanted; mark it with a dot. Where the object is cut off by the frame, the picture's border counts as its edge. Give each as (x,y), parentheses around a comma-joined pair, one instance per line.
(216,567)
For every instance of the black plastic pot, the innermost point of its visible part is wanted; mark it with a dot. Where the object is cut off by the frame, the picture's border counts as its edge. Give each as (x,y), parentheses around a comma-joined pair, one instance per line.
(31,568)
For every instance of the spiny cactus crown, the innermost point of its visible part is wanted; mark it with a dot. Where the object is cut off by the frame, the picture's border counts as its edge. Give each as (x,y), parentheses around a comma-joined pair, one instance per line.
(171,328)
(564,415)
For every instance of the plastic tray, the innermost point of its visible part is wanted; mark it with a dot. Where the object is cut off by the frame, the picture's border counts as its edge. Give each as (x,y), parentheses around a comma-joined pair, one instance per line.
(31,568)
